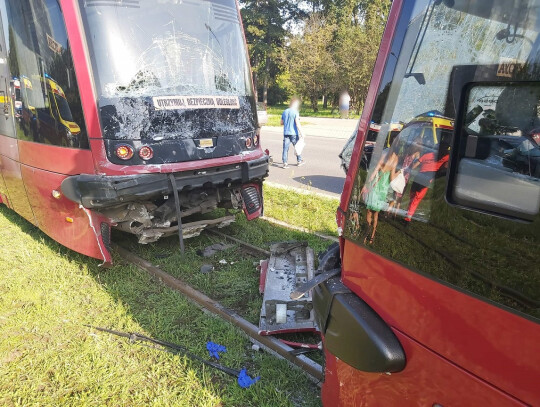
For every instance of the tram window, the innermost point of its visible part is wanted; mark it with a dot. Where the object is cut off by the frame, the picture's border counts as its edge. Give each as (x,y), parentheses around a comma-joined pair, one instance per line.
(498,163)
(440,48)
(39,55)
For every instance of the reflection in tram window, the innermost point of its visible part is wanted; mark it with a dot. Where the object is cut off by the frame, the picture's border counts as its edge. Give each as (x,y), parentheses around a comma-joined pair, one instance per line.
(48,109)
(469,149)
(408,163)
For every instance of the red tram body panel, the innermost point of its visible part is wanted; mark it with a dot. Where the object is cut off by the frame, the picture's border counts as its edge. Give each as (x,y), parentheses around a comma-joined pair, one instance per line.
(84,83)
(439,305)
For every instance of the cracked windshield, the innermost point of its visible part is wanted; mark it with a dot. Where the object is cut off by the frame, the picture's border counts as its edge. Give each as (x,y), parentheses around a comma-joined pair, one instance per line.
(171,70)
(167,48)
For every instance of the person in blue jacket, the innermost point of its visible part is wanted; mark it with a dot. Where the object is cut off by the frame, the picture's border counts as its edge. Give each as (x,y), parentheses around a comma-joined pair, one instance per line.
(292,131)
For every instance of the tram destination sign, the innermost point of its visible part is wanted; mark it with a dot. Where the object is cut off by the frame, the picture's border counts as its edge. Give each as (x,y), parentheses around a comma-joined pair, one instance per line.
(195,102)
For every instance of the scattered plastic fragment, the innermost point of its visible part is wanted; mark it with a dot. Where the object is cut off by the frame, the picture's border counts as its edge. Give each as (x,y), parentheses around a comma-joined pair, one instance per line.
(223,261)
(207,268)
(244,381)
(215,248)
(255,347)
(215,349)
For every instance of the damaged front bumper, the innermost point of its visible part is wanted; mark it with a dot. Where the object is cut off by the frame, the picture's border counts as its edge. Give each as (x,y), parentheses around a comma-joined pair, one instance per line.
(101,191)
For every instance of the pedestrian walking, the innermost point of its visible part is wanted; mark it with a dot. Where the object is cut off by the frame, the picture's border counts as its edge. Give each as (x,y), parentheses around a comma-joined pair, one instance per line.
(292,131)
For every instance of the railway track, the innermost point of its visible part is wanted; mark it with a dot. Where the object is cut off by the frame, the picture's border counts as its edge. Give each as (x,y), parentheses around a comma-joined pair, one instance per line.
(270,344)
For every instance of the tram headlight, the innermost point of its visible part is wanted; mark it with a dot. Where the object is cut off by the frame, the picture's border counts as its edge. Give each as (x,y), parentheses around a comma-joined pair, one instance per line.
(146,153)
(249,142)
(124,152)
(256,140)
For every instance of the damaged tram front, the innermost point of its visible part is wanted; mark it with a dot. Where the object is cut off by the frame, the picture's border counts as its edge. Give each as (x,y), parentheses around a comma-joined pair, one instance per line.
(164,118)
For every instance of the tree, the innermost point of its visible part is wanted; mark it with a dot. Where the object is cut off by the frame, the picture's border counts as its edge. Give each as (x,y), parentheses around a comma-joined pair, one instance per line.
(312,66)
(12,54)
(266,23)
(337,49)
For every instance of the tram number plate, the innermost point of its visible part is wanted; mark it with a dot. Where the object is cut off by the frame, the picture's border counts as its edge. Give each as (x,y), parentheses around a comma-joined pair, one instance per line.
(206,142)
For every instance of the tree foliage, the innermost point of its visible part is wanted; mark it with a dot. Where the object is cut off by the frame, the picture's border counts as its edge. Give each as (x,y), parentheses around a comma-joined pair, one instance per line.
(347,34)
(311,63)
(313,48)
(266,25)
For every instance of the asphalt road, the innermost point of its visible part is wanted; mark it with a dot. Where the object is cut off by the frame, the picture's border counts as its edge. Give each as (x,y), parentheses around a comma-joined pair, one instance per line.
(322,172)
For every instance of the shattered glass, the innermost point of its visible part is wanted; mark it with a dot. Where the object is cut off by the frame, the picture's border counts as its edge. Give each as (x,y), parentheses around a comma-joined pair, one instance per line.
(172,47)
(146,49)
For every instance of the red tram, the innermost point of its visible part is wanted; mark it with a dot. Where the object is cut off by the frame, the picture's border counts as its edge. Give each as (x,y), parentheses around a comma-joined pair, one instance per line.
(115,111)
(438,303)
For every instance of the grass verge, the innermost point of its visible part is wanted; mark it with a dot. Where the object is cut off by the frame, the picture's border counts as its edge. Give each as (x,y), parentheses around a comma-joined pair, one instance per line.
(274,120)
(307,111)
(308,210)
(235,283)
(47,356)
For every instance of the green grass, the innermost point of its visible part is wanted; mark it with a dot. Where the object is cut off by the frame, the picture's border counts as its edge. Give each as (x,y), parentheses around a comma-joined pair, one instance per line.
(310,211)
(307,111)
(234,285)
(274,120)
(48,358)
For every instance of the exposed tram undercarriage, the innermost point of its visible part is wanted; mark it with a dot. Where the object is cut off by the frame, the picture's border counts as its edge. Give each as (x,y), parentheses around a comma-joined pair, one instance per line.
(144,205)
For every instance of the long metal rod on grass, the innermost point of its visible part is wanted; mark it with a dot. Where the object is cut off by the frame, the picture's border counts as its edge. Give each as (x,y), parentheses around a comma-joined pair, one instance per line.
(168,347)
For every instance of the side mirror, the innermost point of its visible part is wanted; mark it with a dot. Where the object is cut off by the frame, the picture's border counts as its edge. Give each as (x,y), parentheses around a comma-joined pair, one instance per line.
(495,164)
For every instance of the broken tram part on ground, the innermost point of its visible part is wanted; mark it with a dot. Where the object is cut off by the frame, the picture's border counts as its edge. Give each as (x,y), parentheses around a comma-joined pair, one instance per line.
(291,265)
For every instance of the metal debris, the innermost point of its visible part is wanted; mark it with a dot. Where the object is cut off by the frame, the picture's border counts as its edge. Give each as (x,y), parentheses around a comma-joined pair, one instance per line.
(304,288)
(291,264)
(215,248)
(243,379)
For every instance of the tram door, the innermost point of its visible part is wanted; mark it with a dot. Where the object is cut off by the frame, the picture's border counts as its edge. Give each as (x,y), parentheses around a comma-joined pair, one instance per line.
(9,152)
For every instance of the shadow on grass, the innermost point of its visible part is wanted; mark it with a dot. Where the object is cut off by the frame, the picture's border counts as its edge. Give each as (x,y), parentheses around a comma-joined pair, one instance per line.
(165,314)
